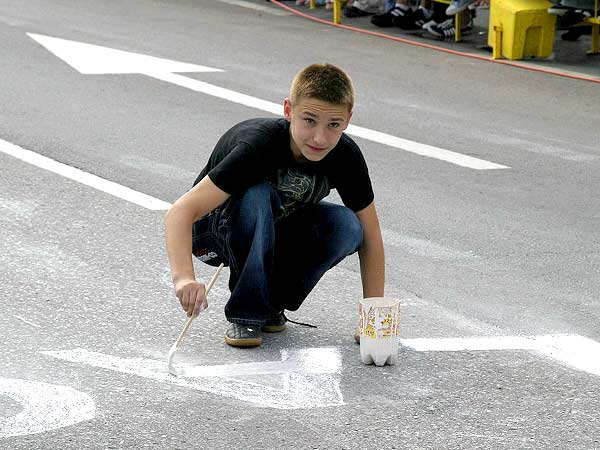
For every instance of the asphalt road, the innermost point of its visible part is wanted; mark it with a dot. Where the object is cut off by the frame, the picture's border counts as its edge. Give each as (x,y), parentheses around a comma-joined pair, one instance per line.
(506,260)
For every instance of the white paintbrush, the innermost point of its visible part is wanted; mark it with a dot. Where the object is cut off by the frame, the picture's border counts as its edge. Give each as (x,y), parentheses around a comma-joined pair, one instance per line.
(175,346)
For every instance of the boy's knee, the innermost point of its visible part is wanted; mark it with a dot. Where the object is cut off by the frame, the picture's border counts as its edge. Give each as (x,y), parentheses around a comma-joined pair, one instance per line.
(347,230)
(354,231)
(258,196)
(258,205)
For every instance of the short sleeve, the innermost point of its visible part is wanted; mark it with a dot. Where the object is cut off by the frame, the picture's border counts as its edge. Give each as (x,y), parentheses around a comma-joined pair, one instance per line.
(353,182)
(243,167)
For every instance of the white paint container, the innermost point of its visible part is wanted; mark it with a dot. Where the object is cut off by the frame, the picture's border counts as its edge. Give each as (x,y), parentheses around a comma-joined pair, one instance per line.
(379,326)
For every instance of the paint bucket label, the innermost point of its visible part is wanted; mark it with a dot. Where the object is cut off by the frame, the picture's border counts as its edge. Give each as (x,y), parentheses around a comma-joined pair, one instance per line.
(379,326)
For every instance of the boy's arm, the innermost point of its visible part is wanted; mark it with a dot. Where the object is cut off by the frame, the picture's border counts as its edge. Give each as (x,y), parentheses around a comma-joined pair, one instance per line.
(190,207)
(371,254)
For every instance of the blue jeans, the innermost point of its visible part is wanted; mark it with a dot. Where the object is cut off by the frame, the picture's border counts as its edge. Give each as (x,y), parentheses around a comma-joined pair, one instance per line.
(274,265)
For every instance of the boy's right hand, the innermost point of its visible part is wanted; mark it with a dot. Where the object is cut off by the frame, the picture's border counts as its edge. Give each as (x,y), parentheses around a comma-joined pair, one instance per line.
(192,296)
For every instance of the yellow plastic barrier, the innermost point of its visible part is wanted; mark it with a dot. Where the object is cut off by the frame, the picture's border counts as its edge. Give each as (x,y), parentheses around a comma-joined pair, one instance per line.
(521,28)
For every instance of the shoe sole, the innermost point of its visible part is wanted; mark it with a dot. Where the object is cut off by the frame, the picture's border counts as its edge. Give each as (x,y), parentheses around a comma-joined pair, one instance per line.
(252,342)
(273,328)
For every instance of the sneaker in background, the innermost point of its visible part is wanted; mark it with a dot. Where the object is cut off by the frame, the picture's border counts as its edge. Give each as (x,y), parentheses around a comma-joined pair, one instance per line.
(414,21)
(457,6)
(386,20)
(444,30)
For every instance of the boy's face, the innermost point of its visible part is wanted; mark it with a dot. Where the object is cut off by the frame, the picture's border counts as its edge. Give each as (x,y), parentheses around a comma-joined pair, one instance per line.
(315,127)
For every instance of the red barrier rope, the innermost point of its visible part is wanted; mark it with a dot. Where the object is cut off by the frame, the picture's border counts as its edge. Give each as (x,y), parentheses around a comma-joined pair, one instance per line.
(435,47)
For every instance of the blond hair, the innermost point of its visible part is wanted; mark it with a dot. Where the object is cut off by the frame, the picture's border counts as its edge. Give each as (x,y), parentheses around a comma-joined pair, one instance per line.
(324,82)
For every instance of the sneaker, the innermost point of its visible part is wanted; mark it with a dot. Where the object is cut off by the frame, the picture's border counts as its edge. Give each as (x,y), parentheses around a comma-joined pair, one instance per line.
(446,29)
(574,17)
(243,335)
(414,21)
(352,11)
(275,324)
(558,10)
(457,6)
(387,20)
(575,33)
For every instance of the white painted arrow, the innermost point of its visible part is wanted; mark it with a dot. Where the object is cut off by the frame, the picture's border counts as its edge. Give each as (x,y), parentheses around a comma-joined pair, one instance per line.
(95,59)
(306,378)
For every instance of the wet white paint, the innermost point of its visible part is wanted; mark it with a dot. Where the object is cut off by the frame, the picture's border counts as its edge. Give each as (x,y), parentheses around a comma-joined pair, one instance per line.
(45,407)
(305,378)
(572,350)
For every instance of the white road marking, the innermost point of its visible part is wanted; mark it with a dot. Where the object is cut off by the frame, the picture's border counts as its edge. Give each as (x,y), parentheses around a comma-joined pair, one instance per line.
(27,321)
(572,350)
(95,59)
(92,59)
(82,177)
(308,378)
(261,8)
(45,407)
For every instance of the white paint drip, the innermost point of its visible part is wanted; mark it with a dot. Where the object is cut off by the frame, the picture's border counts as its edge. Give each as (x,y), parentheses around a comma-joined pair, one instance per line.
(307,378)
(27,321)
(82,177)
(45,407)
(572,350)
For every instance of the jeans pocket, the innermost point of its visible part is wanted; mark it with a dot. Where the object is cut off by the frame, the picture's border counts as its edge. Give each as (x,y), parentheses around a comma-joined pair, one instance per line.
(205,246)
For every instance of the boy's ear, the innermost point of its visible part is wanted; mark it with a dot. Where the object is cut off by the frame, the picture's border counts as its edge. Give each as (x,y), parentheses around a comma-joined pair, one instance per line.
(287,109)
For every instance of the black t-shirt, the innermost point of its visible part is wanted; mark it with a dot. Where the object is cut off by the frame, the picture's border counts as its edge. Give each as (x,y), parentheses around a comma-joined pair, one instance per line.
(259,150)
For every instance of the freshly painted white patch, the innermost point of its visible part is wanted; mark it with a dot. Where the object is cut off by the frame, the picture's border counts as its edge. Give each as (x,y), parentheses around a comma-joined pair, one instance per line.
(572,350)
(95,59)
(82,177)
(261,8)
(306,378)
(27,321)
(45,407)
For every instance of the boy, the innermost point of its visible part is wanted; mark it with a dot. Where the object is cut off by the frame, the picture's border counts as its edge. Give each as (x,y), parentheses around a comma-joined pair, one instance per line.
(256,206)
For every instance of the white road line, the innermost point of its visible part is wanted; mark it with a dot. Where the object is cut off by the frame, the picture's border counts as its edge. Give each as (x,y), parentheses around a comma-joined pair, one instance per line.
(82,177)
(353,130)
(572,350)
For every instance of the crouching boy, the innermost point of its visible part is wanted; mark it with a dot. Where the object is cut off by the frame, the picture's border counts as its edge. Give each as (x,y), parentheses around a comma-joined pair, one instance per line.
(257,207)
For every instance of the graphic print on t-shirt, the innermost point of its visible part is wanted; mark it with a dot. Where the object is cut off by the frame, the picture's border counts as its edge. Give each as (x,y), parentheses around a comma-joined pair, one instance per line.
(296,187)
